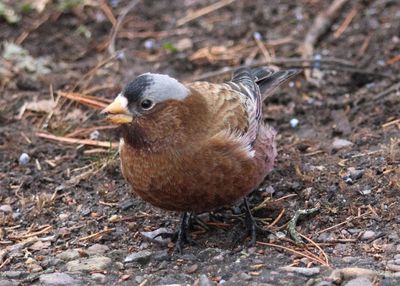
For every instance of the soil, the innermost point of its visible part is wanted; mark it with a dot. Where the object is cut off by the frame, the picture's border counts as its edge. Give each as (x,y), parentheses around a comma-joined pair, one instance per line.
(338,143)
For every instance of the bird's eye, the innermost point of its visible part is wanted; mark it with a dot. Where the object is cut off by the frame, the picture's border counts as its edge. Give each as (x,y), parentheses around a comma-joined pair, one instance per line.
(146,104)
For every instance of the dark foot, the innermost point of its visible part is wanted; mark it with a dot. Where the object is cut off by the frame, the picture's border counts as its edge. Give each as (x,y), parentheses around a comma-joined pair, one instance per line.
(180,237)
(182,233)
(252,228)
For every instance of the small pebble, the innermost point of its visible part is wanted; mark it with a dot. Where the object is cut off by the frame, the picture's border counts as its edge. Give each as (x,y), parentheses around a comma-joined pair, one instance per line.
(6,209)
(120,55)
(154,236)
(59,279)
(366,192)
(204,281)
(192,269)
(139,279)
(24,159)
(97,249)
(294,122)
(95,135)
(114,3)
(89,264)
(317,61)
(302,270)
(184,44)
(393,267)
(149,44)
(353,175)
(339,143)
(141,257)
(4,282)
(367,235)
(100,278)
(63,216)
(359,281)
(257,36)
(244,276)
(69,254)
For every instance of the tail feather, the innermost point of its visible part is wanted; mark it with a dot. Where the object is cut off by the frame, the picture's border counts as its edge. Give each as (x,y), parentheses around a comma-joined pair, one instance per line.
(268,80)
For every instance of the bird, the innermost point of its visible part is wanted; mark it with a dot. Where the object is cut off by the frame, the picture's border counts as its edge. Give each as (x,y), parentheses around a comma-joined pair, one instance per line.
(194,147)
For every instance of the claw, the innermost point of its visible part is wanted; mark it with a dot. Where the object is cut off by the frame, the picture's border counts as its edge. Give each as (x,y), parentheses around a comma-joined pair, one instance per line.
(251,226)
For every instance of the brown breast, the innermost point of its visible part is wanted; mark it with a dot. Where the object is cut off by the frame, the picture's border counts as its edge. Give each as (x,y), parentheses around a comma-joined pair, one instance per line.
(214,175)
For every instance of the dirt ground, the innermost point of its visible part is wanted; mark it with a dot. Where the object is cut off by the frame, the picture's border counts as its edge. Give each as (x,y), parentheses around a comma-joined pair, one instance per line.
(65,208)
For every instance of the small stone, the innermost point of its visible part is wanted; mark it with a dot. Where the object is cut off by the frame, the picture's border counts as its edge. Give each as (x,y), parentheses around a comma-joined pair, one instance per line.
(326,237)
(393,237)
(302,270)
(367,235)
(6,209)
(366,192)
(204,281)
(154,236)
(14,274)
(359,281)
(218,258)
(324,283)
(114,218)
(57,279)
(349,259)
(192,269)
(142,257)
(353,175)
(184,44)
(149,44)
(126,204)
(69,254)
(354,231)
(393,267)
(30,260)
(100,278)
(97,249)
(24,159)
(339,143)
(8,282)
(244,276)
(34,268)
(95,135)
(89,264)
(139,279)
(294,122)
(63,216)
(257,35)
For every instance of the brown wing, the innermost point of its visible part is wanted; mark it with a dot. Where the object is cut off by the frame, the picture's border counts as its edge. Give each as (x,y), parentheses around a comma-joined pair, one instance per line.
(226,105)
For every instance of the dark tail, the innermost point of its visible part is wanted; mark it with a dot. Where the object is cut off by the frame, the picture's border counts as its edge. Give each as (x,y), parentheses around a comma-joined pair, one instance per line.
(268,79)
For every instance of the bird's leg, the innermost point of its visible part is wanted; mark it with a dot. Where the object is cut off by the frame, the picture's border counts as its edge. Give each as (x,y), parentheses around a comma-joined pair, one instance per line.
(180,236)
(251,225)
(182,232)
(250,222)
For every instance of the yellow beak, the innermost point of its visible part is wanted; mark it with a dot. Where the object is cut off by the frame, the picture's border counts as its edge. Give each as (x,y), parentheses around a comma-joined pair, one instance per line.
(117,111)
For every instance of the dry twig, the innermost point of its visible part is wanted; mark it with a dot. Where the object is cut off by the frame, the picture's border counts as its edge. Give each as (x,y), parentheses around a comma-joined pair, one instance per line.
(68,140)
(321,24)
(117,26)
(91,101)
(342,28)
(203,11)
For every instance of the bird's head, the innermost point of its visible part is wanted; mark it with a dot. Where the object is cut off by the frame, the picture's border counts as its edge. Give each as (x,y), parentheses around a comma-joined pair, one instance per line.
(152,109)
(147,94)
